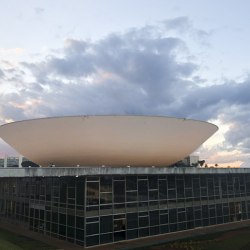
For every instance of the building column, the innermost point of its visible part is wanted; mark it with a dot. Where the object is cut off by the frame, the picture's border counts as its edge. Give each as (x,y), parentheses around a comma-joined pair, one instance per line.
(20,160)
(5,162)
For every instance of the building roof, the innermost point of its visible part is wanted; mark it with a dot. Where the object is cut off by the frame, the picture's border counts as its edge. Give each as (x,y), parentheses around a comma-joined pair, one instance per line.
(118,171)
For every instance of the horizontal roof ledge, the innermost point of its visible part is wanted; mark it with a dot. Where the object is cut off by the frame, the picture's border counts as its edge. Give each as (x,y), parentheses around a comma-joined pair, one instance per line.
(86,171)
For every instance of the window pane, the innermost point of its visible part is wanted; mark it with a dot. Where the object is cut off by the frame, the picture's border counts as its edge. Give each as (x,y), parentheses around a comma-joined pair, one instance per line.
(132,220)
(92,240)
(79,222)
(154,218)
(132,234)
(105,198)
(153,182)
(106,238)
(106,183)
(92,228)
(92,193)
(131,196)
(131,182)
(106,224)
(119,191)
(143,190)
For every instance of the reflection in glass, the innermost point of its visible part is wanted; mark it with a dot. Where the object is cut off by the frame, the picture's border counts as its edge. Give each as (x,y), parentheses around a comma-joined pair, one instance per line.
(92,193)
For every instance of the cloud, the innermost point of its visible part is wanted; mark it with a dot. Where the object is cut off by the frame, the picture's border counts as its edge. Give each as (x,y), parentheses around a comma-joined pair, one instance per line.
(39,10)
(135,72)
(1,74)
(239,118)
(182,24)
(122,73)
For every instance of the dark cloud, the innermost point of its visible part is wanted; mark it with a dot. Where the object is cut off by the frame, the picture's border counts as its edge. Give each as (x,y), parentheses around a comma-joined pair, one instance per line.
(1,74)
(129,73)
(182,24)
(133,72)
(39,10)
(238,116)
(209,102)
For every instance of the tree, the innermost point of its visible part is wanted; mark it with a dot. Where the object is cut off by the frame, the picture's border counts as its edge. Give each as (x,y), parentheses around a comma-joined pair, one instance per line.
(201,163)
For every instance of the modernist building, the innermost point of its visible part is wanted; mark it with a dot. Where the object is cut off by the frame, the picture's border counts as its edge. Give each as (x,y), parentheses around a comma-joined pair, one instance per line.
(132,194)
(93,206)
(12,161)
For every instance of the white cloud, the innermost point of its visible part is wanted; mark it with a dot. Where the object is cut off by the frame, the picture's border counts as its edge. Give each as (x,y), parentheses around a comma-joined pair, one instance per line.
(141,71)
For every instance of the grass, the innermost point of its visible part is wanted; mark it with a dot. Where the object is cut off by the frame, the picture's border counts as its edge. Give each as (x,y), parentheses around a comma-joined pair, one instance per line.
(234,242)
(229,240)
(12,241)
(5,245)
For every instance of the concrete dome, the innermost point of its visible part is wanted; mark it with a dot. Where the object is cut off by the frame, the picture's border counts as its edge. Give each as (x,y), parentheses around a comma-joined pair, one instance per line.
(106,140)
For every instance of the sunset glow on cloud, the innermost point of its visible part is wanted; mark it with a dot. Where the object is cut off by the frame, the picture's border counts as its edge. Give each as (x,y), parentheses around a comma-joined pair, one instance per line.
(185,61)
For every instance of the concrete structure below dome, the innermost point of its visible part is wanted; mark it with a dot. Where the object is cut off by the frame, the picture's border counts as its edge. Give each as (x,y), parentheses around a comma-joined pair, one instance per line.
(91,206)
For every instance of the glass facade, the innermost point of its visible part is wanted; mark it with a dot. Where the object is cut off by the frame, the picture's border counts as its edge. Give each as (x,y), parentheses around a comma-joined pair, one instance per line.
(94,210)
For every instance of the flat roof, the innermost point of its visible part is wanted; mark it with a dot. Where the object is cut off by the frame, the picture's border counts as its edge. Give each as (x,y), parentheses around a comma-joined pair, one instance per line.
(86,171)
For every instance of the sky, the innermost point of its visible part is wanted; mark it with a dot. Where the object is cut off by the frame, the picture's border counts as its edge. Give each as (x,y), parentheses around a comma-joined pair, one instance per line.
(180,58)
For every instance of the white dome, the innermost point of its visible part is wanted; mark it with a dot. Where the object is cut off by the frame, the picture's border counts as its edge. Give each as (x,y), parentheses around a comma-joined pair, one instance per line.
(106,140)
